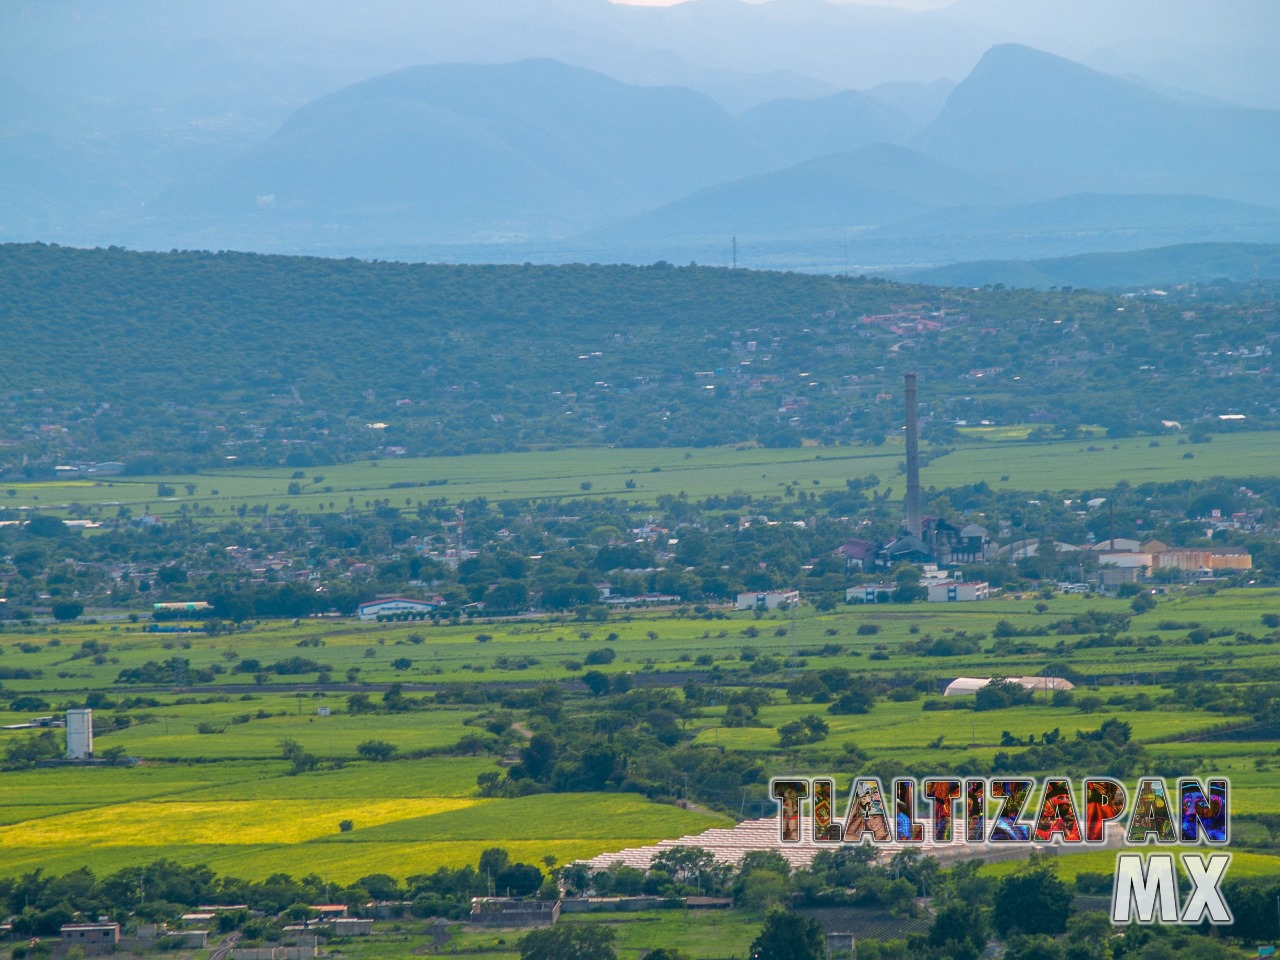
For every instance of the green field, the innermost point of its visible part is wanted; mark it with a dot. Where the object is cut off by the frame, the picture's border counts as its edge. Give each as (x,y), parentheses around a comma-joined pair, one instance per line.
(699,472)
(538,650)
(252,819)
(699,933)
(225,797)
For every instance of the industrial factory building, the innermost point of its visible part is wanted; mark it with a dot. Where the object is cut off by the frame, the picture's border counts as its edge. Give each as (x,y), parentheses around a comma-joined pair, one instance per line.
(398,608)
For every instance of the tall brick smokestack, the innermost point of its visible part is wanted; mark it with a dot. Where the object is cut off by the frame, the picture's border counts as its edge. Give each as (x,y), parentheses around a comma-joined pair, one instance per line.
(913,459)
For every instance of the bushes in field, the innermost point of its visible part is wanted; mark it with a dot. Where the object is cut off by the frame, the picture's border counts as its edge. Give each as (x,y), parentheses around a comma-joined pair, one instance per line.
(164,889)
(24,752)
(378,750)
(175,671)
(1091,621)
(1106,750)
(290,666)
(1001,693)
(808,729)
(20,673)
(956,644)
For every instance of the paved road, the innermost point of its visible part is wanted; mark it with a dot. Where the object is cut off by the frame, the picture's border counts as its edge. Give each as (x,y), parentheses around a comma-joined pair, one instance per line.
(225,947)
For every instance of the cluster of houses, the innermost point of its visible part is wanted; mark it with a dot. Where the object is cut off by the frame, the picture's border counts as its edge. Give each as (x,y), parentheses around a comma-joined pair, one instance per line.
(939,543)
(191,932)
(1118,560)
(1129,561)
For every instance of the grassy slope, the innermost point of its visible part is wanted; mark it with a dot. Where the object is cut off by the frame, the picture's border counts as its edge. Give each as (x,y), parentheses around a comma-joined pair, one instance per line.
(701,472)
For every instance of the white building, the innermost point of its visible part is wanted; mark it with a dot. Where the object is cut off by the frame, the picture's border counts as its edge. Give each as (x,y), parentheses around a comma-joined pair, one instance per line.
(397,608)
(951,591)
(79,734)
(962,685)
(768,600)
(1117,545)
(1120,558)
(869,593)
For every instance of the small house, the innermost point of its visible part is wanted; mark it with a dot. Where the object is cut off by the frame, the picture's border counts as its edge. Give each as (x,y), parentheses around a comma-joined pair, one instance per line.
(513,912)
(352,927)
(95,939)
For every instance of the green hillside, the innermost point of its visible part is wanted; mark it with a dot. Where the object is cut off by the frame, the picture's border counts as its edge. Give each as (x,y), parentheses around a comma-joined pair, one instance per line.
(183,361)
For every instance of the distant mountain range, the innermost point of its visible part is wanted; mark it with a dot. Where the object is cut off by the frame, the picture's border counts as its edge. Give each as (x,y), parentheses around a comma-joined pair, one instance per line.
(520,151)
(1183,264)
(1054,125)
(1029,156)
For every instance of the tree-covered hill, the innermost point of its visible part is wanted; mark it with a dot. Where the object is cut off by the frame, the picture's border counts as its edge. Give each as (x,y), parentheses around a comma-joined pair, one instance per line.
(181,360)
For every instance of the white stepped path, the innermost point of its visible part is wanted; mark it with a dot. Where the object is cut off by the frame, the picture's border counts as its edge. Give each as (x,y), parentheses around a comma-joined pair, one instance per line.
(730,844)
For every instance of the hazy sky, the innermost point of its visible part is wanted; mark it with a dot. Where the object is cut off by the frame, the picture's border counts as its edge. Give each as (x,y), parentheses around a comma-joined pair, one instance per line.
(902,4)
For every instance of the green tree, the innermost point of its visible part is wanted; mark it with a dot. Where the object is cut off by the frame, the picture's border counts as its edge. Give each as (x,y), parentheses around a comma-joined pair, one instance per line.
(685,864)
(494,860)
(1089,936)
(761,889)
(960,930)
(1090,704)
(789,936)
(302,761)
(376,750)
(569,941)
(65,610)
(1032,901)
(46,526)
(112,755)
(300,913)
(1035,947)
(808,729)
(596,682)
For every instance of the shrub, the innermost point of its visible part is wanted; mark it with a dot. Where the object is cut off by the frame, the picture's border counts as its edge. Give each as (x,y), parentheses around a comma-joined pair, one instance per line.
(809,729)
(376,750)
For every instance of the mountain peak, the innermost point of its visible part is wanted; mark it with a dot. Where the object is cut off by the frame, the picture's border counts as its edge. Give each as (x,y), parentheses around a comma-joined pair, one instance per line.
(1043,117)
